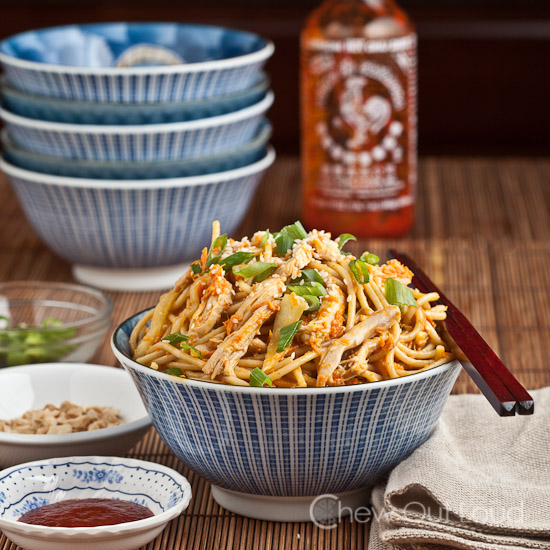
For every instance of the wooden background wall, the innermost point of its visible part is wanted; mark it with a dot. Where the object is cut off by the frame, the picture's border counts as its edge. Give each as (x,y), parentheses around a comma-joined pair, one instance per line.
(483,64)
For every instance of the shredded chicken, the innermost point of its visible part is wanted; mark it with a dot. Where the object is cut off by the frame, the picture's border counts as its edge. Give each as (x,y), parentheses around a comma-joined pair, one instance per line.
(227,355)
(380,320)
(329,321)
(261,294)
(302,254)
(217,297)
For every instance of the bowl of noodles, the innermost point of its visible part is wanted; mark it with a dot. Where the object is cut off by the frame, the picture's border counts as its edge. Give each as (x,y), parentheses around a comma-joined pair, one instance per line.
(282,368)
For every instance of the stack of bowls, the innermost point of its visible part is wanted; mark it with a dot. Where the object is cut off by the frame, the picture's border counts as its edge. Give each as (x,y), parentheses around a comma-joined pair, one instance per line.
(124,141)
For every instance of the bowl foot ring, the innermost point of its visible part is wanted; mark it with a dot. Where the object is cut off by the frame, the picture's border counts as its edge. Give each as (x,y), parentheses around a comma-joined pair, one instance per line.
(129,279)
(324,510)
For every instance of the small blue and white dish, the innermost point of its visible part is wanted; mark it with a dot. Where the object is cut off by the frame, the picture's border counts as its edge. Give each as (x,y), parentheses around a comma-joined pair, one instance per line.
(133,62)
(34,484)
(249,153)
(87,112)
(151,142)
(133,234)
(270,452)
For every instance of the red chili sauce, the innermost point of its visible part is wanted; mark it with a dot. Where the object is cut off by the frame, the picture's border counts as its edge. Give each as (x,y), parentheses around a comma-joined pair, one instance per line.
(86,512)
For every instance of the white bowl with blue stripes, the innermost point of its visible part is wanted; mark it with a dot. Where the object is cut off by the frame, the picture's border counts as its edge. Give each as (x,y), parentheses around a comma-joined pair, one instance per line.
(148,142)
(34,484)
(131,224)
(247,154)
(133,62)
(87,112)
(270,452)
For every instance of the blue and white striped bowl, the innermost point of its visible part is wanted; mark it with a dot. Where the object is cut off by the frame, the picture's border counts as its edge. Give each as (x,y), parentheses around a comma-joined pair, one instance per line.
(151,142)
(34,484)
(181,168)
(79,62)
(133,223)
(289,442)
(87,112)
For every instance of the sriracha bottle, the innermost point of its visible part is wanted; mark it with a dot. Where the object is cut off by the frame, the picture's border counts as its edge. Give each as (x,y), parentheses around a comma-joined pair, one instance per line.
(358,105)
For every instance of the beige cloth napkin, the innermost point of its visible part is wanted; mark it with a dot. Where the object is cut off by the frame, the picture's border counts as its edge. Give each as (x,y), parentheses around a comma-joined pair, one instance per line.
(480,482)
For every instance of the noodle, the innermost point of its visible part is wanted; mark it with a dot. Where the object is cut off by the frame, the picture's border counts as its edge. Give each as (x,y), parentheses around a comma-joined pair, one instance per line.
(296,308)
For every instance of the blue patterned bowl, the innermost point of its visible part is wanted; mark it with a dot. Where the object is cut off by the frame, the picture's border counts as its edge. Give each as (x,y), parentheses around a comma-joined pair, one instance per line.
(236,158)
(133,62)
(87,112)
(133,223)
(150,142)
(28,486)
(263,446)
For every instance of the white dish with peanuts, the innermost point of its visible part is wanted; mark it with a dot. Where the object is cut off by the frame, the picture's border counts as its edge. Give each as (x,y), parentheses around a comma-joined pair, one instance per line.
(67,409)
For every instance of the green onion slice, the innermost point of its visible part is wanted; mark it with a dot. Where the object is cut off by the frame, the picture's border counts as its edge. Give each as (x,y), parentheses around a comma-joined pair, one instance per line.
(265,238)
(175,338)
(344,238)
(287,235)
(258,378)
(286,335)
(309,289)
(313,302)
(371,259)
(314,276)
(398,294)
(175,371)
(360,271)
(191,348)
(263,276)
(253,269)
(237,258)
(218,246)
(52,322)
(196,268)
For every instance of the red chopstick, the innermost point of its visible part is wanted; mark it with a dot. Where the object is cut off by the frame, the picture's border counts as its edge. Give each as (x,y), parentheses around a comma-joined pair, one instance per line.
(491,376)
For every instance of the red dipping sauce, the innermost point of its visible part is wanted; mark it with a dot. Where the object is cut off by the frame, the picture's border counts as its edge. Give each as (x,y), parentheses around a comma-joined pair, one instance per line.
(86,512)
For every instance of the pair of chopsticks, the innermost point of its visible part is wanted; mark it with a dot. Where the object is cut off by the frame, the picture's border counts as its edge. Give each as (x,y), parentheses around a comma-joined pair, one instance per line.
(491,376)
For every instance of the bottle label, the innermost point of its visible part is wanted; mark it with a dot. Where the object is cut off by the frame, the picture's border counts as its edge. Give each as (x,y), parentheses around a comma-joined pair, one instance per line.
(362,122)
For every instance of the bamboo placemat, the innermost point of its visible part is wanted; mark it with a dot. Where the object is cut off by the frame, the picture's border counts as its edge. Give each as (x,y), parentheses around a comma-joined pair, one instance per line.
(482,233)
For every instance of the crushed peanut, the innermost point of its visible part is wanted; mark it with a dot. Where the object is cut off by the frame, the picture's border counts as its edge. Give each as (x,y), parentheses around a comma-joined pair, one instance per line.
(68,418)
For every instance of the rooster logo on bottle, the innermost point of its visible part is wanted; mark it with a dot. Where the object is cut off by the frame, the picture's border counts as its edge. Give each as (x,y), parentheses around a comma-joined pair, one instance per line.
(362,101)
(365,118)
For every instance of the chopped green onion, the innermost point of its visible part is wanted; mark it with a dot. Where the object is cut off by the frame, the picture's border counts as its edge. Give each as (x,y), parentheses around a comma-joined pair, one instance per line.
(258,378)
(44,343)
(296,230)
(52,322)
(371,259)
(309,289)
(175,371)
(286,335)
(263,276)
(253,269)
(265,238)
(360,271)
(237,258)
(175,338)
(196,268)
(188,347)
(219,243)
(398,294)
(313,275)
(287,235)
(344,238)
(313,302)
(284,242)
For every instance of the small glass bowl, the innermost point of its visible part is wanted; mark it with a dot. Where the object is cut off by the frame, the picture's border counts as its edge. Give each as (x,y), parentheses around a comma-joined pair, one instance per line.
(43,322)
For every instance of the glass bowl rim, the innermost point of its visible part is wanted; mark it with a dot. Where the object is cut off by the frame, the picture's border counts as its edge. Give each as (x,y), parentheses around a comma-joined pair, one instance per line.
(102,314)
